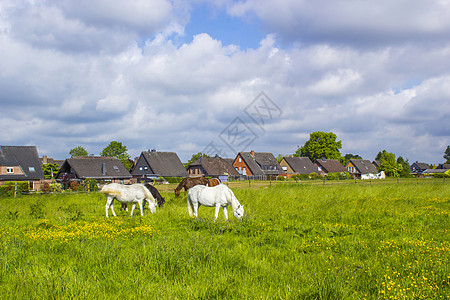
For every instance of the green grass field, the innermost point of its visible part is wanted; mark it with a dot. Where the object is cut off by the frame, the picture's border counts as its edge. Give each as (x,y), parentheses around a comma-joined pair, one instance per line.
(353,241)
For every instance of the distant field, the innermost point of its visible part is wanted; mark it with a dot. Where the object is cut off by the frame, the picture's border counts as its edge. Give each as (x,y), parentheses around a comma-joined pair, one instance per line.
(314,240)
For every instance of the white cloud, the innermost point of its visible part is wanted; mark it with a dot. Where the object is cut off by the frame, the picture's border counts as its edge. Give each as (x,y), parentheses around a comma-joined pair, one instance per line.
(66,71)
(351,22)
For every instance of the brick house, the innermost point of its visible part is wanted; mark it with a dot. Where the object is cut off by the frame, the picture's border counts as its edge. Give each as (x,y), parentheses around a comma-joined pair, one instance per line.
(21,163)
(257,165)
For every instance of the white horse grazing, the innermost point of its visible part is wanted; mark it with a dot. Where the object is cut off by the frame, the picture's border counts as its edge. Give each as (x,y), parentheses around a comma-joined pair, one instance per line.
(217,196)
(135,193)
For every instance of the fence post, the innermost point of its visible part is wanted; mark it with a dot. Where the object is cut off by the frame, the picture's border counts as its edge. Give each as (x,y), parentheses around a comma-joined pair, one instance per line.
(15,190)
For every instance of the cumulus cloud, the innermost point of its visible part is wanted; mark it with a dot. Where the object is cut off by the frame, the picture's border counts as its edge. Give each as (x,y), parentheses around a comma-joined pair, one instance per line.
(88,72)
(359,23)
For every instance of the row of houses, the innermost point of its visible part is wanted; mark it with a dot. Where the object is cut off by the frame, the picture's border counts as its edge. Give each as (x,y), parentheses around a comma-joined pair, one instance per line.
(22,163)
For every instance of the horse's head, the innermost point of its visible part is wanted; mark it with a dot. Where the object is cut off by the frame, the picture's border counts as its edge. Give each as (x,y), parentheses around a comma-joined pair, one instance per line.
(177,193)
(161,202)
(239,212)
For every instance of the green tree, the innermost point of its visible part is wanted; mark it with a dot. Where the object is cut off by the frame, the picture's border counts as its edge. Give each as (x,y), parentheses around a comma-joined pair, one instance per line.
(78,151)
(321,145)
(116,149)
(49,170)
(389,165)
(378,157)
(349,156)
(279,158)
(406,167)
(447,155)
(194,158)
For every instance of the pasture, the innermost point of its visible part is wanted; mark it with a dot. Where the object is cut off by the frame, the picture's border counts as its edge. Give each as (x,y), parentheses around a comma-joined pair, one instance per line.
(373,241)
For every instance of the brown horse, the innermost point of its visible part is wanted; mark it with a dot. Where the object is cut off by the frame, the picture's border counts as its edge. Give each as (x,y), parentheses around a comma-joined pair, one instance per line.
(213,182)
(189,182)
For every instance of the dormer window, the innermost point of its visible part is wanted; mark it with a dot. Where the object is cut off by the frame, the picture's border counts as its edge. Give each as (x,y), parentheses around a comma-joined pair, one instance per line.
(31,169)
(9,170)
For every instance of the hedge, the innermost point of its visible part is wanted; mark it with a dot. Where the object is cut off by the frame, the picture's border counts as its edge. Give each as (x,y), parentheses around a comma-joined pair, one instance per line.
(10,186)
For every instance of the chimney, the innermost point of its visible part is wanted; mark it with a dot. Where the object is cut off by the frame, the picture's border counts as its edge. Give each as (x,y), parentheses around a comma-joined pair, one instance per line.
(252,153)
(44,159)
(103,168)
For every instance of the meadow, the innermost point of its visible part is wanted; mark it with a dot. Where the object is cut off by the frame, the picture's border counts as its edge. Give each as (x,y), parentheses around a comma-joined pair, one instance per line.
(296,241)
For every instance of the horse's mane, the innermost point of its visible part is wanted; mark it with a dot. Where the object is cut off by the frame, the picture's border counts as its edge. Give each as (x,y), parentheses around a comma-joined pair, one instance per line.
(181,184)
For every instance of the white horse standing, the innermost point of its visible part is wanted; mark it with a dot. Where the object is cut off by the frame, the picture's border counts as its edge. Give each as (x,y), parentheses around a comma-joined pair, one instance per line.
(217,196)
(135,193)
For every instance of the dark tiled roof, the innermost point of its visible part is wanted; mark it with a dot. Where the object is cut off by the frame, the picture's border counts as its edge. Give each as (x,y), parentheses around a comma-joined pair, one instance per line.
(364,166)
(24,156)
(263,163)
(301,165)
(434,171)
(330,165)
(165,164)
(215,166)
(92,167)
(420,166)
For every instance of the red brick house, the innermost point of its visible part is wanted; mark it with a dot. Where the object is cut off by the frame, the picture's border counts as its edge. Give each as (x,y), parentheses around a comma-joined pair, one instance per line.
(257,165)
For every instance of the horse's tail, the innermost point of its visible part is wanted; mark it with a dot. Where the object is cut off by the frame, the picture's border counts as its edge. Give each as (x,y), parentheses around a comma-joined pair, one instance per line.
(190,205)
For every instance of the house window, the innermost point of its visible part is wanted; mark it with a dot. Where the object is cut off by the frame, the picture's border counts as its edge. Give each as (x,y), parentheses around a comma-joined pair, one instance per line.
(240,160)
(31,169)
(141,168)
(116,168)
(284,168)
(9,170)
(145,168)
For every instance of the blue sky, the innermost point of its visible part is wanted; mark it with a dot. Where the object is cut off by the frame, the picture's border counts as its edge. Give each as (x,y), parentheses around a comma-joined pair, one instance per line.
(221,26)
(176,75)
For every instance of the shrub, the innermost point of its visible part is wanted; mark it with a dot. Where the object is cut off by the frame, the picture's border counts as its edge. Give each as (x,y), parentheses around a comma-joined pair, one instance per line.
(313,176)
(10,186)
(332,176)
(74,185)
(56,187)
(45,188)
(281,178)
(91,185)
(441,175)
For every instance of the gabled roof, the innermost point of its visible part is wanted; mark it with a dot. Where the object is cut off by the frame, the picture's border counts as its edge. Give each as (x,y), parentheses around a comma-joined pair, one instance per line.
(25,157)
(363,166)
(95,167)
(376,163)
(330,165)
(165,164)
(215,166)
(443,166)
(301,165)
(420,166)
(262,163)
